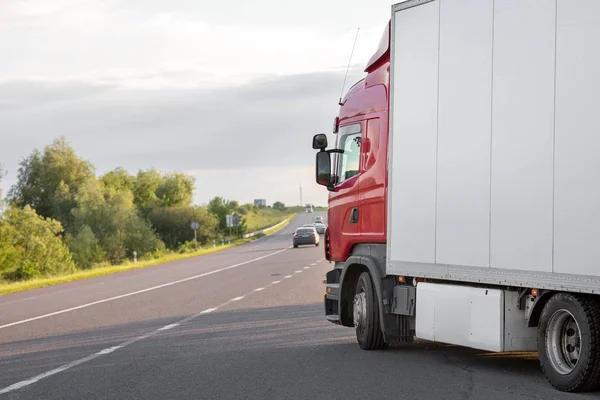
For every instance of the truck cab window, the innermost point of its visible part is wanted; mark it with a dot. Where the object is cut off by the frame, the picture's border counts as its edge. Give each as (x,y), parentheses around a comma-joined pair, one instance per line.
(349,160)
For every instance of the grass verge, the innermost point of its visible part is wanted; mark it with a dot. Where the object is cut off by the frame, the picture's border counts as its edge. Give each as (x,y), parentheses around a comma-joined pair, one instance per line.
(13,287)
(264,218)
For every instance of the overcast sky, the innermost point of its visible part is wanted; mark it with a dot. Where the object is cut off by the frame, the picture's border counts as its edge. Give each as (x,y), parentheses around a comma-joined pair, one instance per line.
(227,91)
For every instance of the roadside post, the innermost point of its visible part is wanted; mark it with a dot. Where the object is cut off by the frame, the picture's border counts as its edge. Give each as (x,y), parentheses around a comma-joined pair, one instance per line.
(195,225)
(229,221)
(236,223)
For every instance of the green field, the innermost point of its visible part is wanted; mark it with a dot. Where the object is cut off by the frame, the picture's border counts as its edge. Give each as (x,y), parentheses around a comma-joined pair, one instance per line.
(264,218)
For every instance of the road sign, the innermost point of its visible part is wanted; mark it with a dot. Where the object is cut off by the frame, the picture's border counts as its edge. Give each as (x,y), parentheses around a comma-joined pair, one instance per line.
(236,220)
(195,225)
(229,220)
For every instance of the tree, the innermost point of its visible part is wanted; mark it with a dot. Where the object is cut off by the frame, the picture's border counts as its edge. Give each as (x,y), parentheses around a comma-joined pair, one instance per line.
(48,181)
(144,190)
(172,224)
(118,179)
(140,237)
(2,175)
(177,189)
(279,206)
(220,207)
(152,189)
(85,248)
(113,218)
(31,245)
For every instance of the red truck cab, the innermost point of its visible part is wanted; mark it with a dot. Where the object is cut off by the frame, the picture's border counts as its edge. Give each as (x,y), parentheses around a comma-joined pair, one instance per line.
(355,173)
(357,199)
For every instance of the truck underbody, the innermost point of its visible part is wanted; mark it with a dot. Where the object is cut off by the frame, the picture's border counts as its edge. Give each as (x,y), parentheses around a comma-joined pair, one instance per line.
(563,327)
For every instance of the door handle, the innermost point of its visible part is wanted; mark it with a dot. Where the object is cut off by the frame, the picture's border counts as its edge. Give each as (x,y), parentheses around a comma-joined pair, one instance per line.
(354,216)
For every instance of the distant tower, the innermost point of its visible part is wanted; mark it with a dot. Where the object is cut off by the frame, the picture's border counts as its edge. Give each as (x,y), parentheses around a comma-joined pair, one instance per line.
(301,203)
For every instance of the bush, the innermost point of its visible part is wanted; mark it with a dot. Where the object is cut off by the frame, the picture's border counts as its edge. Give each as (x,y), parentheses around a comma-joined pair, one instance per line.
(187,247)
(24,272)
(32,245)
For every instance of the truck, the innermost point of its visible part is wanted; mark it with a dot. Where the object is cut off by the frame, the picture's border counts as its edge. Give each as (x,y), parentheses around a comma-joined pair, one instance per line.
(308,207)
(464,184)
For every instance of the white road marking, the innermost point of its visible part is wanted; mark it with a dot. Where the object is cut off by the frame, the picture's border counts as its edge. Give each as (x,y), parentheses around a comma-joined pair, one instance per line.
(275,282)
(166,328)
(299,271)
(141,291)
(287,276)
(31,381)
(306,267)
(111,349)
(237,298)
(258,289)
(37,378)
(313,264)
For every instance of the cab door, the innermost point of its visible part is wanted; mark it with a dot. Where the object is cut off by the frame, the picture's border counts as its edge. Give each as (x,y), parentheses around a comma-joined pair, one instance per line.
(343,221)
(372,205)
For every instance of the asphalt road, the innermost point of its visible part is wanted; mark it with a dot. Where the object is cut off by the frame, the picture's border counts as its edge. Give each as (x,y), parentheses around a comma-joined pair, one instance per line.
(246,323)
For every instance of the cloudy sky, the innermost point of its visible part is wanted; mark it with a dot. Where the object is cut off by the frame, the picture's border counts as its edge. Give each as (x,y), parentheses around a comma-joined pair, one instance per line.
(227,91)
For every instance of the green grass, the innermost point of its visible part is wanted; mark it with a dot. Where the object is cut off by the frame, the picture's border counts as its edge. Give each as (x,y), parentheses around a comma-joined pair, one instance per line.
(12,287)
(264,217)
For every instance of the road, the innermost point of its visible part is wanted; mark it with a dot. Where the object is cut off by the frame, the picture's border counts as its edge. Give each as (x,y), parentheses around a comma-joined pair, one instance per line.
(244,323)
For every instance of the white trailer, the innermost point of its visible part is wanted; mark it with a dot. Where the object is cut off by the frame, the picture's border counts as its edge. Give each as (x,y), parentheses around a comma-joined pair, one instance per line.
(494,178)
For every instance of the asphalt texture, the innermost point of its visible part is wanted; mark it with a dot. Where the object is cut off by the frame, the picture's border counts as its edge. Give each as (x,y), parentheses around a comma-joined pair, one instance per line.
(245,323)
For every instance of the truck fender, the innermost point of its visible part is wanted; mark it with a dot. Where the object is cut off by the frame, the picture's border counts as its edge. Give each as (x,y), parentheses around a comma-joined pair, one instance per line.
(375,271)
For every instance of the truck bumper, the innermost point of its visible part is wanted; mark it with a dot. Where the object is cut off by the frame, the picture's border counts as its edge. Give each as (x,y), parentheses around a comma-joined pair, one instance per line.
(331,299)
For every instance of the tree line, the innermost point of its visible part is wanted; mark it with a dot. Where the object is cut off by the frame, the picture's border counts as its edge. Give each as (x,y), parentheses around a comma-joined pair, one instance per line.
(60,216)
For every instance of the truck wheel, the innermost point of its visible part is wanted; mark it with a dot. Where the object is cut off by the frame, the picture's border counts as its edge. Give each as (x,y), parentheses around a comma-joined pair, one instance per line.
(366,315)
(569,342)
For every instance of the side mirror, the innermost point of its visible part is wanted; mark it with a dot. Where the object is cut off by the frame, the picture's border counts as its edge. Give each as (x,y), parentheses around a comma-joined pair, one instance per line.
(319,141)
(323,168)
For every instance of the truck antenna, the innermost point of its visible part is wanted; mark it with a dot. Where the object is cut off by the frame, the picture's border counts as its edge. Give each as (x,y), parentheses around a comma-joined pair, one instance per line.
(347,69)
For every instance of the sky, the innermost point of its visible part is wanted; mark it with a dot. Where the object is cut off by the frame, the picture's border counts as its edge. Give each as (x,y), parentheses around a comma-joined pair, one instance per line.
(229,92)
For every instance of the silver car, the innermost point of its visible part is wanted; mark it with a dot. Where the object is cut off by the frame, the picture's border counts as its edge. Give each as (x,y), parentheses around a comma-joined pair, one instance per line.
(320,227)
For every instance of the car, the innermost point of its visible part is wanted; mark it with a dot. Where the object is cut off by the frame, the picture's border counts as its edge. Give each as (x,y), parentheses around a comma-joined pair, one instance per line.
(320,227)
(319,220)
(306,235)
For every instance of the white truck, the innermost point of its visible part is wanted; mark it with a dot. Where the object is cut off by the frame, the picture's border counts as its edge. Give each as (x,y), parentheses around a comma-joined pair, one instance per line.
(492,232)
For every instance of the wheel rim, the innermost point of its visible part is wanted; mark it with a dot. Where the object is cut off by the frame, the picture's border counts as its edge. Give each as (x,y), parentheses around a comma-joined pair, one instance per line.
(360,311)
(563,342)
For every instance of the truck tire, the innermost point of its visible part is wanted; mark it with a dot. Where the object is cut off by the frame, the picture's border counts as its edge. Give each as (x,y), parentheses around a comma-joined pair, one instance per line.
(366,315)
(569,342)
